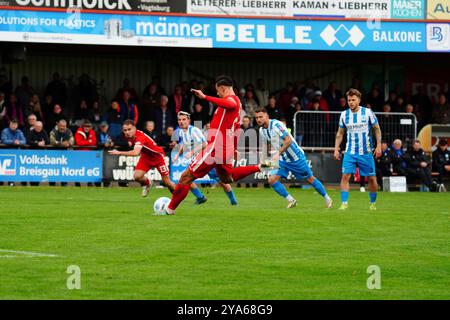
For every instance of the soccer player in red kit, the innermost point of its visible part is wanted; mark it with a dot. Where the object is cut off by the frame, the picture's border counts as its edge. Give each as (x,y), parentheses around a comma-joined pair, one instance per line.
(222,144)
(152,156)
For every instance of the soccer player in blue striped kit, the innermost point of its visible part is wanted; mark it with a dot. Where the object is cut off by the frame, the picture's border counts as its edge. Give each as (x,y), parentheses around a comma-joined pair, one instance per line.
(358,121)
(289,155)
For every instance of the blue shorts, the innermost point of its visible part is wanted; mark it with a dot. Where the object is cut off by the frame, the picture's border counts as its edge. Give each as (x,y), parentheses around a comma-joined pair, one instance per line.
(365,163)
(300,169)
(213,175)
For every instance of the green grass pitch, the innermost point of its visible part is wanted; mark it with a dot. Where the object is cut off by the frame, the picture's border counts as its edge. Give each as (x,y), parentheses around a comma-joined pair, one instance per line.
(257,250)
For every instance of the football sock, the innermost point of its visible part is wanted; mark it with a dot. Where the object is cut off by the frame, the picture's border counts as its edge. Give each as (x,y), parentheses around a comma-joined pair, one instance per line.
(319,187)
(373,197)
(290,198)
(180,192)
(280,189)
(241,172)
(344,196)
(197,193)
(232,197)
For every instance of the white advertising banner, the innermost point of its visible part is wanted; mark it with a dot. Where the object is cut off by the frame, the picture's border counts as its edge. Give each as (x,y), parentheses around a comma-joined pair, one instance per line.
(290,8)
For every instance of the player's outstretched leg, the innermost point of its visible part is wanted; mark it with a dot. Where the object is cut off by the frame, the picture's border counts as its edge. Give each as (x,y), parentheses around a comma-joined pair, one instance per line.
(139,176)
(321,190)
(373,186)
(181,191)
(279,188)
(229,192)
(345,187)
(239,173)
(200,197)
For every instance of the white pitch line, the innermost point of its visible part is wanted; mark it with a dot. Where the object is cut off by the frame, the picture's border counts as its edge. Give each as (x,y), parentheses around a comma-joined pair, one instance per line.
(28,253)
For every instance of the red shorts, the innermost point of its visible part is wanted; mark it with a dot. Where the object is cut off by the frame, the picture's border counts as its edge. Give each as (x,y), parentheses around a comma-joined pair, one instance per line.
(147,162)
(205,161)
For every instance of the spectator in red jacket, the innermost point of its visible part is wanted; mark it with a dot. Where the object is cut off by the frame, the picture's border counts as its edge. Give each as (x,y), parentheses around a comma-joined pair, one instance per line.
(85,136)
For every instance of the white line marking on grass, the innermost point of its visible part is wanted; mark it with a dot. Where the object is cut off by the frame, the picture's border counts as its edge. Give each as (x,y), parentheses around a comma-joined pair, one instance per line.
(26,254)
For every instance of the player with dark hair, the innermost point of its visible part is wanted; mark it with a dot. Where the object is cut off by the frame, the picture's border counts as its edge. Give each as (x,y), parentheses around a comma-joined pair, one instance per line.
(222,143)
(289,155)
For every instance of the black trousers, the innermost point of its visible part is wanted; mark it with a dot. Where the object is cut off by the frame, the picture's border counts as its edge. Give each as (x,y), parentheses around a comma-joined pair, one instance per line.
(442,173)
(423,174)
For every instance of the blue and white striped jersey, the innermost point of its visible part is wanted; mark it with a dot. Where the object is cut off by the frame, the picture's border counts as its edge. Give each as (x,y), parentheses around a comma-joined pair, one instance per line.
(275,134)
(189,138)
(358,126)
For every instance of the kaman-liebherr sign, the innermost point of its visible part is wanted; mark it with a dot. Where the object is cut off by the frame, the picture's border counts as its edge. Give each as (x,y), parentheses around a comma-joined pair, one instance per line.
(384,9)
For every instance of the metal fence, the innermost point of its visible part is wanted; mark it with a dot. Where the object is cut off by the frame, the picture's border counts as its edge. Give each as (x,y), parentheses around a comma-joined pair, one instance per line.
(317,129)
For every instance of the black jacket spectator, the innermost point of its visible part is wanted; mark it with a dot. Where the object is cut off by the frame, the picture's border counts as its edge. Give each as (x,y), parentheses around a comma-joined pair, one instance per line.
(441,160)
(419,165)
(54,118)
(35,137)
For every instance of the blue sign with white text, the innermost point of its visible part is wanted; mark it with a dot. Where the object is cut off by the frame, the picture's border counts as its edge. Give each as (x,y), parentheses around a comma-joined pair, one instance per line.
(212,32)
(50,165)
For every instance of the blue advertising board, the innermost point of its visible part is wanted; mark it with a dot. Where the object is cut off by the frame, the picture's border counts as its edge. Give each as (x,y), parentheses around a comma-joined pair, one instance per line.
(216,32)
(50,165)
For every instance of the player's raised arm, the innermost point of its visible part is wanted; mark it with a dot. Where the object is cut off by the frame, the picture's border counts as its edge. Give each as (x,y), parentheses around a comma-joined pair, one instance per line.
(135,152)
(224,87)
(227,103)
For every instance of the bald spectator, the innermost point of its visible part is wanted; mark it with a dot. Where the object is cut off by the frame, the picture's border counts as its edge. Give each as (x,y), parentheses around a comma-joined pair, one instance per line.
(398,158)
(61,136)
(38,137)
(150,130)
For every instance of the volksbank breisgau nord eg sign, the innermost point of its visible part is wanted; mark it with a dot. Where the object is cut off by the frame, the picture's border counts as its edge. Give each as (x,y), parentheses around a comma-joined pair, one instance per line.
(51,166)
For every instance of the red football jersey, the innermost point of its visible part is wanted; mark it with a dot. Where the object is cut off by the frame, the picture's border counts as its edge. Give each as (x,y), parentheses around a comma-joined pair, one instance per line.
(226,121)
(149,146)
